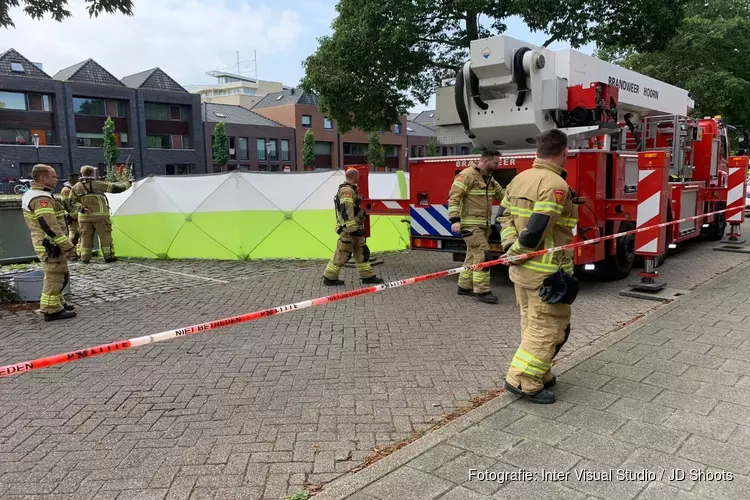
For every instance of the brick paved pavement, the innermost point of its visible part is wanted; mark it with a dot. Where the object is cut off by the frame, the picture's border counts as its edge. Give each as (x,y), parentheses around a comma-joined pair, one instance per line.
(660,411)
(259,410)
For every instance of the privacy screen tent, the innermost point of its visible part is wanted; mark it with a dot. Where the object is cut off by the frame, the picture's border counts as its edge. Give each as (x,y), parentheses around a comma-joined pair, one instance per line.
(242,215)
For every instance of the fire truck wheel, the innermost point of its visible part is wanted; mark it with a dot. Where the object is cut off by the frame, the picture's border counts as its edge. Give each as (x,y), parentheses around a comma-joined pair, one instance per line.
(715,231)
(620,264)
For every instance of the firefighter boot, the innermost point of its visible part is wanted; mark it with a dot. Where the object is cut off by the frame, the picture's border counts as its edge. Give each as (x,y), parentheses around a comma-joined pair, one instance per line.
(487,297)
(61,314)
(373,280)
(330,282)
(464,291)
(69,307)
(551,382)
(542,396)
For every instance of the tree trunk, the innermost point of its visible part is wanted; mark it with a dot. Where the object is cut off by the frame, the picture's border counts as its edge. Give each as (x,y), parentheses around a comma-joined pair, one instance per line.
(472,28)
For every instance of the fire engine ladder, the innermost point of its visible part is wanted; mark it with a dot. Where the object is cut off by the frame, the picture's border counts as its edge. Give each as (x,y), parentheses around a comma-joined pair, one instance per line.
(684,130)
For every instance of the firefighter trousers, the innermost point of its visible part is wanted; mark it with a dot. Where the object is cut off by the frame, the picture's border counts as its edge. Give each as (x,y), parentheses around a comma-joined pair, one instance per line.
(55,280)
(346,247)
(103,229)
(476,239)
(544,330)
(74,235)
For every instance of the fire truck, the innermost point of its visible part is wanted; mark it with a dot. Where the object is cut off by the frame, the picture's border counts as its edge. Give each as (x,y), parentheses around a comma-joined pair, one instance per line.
(510,91)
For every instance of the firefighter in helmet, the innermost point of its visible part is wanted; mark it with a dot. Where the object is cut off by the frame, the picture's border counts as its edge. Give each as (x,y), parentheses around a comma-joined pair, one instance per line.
(470,213)
(349,218)
(89,201)
(45,217)
(540,211)
(71,217)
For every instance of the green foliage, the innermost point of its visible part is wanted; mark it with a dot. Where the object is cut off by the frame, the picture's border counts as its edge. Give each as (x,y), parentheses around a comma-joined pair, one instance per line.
(302,495)
(381,50)
(375,153)
(7,293)
(308,150)
(111,151)
(709,56)
(432,147)
(37,9)
(220,145)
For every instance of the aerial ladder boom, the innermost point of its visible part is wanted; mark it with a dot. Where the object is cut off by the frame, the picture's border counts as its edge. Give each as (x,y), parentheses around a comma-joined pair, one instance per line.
(510,91)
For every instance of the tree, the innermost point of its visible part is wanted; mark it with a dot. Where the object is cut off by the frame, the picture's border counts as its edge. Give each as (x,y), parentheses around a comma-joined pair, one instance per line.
(37,9)
(708,56)
(220,145)
(375,153)
(432,148)
(308,150)
(111,151)
(382,49)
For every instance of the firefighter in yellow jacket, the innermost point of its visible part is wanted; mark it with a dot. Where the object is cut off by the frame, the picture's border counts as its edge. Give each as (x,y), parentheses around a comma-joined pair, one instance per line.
(45,218)
(539,211)
(89,201)
(349,226)
(470,213)
(71,217)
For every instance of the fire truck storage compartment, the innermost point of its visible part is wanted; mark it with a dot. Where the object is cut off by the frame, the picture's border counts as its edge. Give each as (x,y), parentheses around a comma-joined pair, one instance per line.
(688,208)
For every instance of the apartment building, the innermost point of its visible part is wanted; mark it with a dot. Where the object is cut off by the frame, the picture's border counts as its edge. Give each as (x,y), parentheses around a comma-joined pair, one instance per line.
(235,89)
(157,123)
(299,110)
(256,143)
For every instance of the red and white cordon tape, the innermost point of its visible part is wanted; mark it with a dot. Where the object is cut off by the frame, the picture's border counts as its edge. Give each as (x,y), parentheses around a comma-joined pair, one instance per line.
(122,345)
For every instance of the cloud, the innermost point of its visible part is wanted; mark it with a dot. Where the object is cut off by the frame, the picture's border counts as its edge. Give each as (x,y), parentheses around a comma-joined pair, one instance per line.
(185,38)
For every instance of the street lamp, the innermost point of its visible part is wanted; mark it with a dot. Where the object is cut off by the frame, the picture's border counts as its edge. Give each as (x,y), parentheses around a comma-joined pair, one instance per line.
(35,138)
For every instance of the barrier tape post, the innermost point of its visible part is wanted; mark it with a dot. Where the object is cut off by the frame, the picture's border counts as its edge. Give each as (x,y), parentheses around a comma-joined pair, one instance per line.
(57,359)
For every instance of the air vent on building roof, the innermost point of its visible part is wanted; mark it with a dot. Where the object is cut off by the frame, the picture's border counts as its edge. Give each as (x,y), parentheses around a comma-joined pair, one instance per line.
(291,91)
(17,67)
(220,115)
(432,115)
(280,97)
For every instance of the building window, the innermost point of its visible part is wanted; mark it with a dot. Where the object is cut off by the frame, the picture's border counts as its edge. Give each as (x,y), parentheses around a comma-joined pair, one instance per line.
(328,124)
(307,121)
(96,140)
(26,102)
(389,150)
(165,112)
(159,142)
(261,145)
(100,107)
(15,136)
(26,170)
(180,169)
(322,148)
(232,150)
(397,129)
(355,149)
(17,67)
(284,149)
(273,154)
(242,146)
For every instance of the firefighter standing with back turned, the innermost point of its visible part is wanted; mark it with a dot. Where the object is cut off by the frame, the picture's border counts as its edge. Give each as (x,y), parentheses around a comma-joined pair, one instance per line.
(71,217)
(349,217)
(539,211)
(45,218)
(470,213)
(93,212)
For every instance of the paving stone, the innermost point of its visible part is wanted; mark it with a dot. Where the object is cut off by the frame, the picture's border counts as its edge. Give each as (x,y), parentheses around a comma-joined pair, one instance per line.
(732,413)
(709,376)
(533,455)
(630,389)
(636,372)
(602,482)
(409,484)
(458,470)
(503,418)
(740,436)
(717,454)
(545,411)
(661,365)
(640,410)
(661,491)
(484,440)
(680,384)
(538,489)
(585,379)
(597,421)
(461,493)
(702,360)
(603,449)
(435,457)
(582,396)
(734,395)
(540,429)
(721,487)
(651,436)
(701,425)
(687,402)
(664,467)
(619,357)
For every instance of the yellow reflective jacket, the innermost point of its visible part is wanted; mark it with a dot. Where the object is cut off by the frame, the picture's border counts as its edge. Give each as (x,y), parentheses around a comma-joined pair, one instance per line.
(45,218)
(66,194)
(470,198)
(349,214)
(540,189)
(89,193)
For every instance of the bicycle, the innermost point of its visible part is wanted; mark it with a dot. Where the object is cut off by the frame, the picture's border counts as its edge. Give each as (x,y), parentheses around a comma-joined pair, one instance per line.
(22,188)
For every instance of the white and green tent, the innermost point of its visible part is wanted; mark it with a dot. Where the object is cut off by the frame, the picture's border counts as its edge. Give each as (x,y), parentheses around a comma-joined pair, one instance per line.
(242,215)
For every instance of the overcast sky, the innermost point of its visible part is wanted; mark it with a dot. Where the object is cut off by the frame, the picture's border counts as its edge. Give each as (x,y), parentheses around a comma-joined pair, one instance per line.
(186,38)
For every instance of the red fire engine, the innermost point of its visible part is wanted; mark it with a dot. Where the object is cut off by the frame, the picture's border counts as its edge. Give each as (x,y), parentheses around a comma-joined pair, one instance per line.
(511,91)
